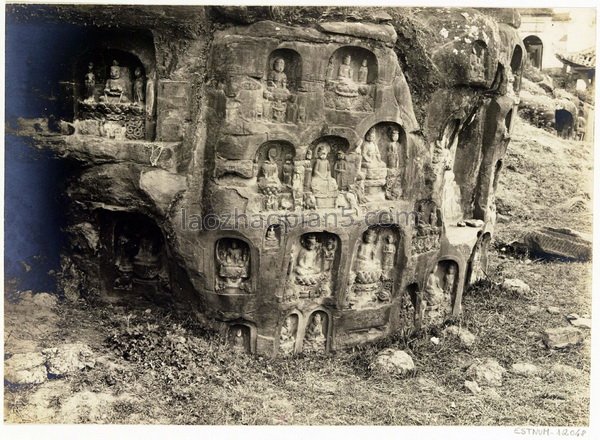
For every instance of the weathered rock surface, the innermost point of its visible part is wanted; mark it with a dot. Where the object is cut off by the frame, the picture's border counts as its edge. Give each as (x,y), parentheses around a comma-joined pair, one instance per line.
(392,362)
(559,242)
(474,223)
(68,358)
(566,370)
(577,321)
(487,372)
(466,338)
(525,369)
(553,310)
(472,386)
(516,286)
(25,369)
(562,337)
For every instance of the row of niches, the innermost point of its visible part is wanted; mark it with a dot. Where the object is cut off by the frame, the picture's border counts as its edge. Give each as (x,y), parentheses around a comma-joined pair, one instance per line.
(114,97)
(327,174)
(312,266)
(283,95)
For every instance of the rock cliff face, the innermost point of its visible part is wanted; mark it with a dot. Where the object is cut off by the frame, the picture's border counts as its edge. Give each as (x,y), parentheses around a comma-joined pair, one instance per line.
(297,175)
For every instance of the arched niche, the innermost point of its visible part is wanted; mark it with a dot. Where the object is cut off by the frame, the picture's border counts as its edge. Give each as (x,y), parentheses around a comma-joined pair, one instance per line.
(391,141)
(240,336)
(312,266)
(440,292)
(535,50)
(276,153)
(353,63)
(135,250)
(292,68)
(342,166)
(516,64)
(564,123)
(478,61)
(375,266)
(273,236)
(288,333)
(233,268)
(316,332)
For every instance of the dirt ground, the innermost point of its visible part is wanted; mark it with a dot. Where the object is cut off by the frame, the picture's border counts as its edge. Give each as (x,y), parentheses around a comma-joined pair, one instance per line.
(157,366)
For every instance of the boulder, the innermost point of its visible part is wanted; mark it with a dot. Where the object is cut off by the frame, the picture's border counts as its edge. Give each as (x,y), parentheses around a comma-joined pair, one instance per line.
(392,362)
(553,310)
(465,336)
(582,323)
(472,386)
(516,286)
(487,372)
(25,369)
(566,370)
(525,369)
(562,337)
(44,299)
(68,358)
(474,223)
(559,243)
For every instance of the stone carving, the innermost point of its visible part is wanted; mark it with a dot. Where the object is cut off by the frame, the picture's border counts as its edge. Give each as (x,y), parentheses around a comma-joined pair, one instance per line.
(115,90)
(427,233)
(272,236)
(288,170)
(138,87)
(146,263)
(90,84)
(287,335)
(440,292)
(323,185)
(315,338)
(341,172)
(125,250)
(233,266)
(312,267)
(373,167)
(277,76)
(239,338)
(348,87)
(477,61)
(373,269)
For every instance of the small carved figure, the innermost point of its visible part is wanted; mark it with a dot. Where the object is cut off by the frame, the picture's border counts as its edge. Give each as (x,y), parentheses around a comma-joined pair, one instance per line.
(292,110)
(329,254)
(345,71)
(90,83)
(307,265)
(358,189)
(301,113)
(433,293)
(389,250)
(279,110)
(449,281)
(315,336)
(233,264)
(268,179)
(277,77)
(288,170)
(298,184)
(114,89)
(308,166)
(239,341)
(322,183)
(433,220)
(138,86)
(477,63)
(309,201)
(287,337)
(271,234)
(340,171)
(363,72)
(371,158)
(393,156)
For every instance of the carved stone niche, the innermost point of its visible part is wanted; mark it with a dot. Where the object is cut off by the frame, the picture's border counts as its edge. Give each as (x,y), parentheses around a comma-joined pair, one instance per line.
(283,81)
(288,334)
(240,337)
(316,333)
(273,237)
(351,79)
(115,97)
(516,63)
(409,314)
(275,174)
(374,267)
(478,62)
(439,293)
(384,156)
(312,268)
(428,228)
(233,266)
(330,171)
(136,256)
